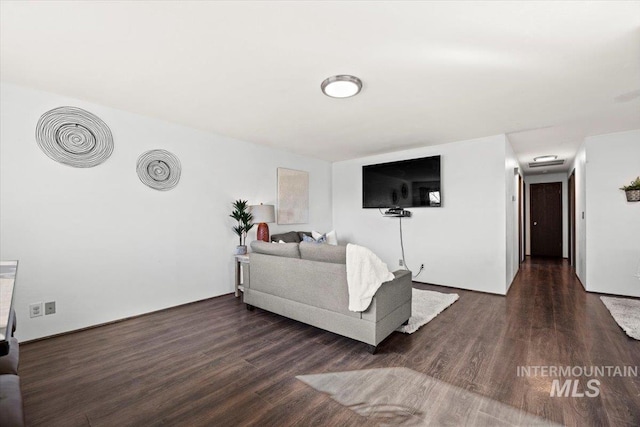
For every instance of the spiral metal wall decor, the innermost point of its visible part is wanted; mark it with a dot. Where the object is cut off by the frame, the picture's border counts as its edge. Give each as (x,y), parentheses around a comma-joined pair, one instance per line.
(74,137)
(159,169)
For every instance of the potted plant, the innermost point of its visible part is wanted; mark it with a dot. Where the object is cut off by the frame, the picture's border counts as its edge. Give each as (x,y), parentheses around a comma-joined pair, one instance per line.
(632,190)
(244,218)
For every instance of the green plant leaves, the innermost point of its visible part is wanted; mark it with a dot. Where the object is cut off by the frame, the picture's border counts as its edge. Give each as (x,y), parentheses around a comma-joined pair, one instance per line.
(244,218)
(635,185)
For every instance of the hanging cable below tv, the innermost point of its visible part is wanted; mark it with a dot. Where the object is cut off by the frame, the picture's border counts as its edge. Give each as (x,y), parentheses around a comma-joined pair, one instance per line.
(398,212)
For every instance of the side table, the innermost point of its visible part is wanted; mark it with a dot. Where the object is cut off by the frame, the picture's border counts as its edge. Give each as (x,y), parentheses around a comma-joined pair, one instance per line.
(240,261)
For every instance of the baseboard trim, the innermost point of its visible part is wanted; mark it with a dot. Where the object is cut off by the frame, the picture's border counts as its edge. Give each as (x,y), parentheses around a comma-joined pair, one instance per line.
(99,325)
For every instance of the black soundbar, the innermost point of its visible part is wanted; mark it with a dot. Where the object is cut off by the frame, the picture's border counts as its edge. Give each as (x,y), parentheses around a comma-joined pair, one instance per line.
(397,212)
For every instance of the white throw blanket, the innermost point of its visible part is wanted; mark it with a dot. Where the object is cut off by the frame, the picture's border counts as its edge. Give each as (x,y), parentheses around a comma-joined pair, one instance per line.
(365,273)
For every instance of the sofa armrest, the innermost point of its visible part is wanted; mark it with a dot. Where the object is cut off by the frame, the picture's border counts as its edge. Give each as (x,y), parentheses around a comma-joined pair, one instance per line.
(390,296)
(11,410)
(9,362)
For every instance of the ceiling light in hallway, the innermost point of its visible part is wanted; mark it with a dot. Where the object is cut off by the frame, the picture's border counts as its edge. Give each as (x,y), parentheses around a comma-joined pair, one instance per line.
(547,158)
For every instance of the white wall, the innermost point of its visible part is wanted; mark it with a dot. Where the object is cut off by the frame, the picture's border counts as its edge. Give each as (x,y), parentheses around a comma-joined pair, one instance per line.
(463,243)
(538,179)
(612,223)
(103,245)
(511,204)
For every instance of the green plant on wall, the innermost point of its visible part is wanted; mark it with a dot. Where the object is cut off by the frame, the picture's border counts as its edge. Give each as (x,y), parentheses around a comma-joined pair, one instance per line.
(244,218)
(635,185)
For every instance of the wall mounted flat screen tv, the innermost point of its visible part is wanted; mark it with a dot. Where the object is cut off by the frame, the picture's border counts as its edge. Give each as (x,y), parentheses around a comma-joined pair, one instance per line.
(411,183)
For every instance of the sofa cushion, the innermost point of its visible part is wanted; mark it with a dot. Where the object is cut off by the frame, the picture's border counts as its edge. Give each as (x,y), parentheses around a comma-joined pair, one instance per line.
(323,253)
(290,237)
(288,250)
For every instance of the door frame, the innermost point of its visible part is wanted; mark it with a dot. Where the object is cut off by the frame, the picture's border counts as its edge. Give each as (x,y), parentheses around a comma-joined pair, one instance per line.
(571,229)
(522,230)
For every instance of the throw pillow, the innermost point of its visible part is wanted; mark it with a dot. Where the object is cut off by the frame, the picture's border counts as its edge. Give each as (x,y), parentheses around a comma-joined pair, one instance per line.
(331,237)
(309,239)
(290,237)
(302,233)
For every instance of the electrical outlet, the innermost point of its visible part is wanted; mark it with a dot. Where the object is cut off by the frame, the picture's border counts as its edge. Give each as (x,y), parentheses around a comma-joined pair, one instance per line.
(35,309)
(400,263)
(421,266)
(49,307)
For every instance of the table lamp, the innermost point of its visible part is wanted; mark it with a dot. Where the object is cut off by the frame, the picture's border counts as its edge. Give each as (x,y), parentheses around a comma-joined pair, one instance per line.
(262,214)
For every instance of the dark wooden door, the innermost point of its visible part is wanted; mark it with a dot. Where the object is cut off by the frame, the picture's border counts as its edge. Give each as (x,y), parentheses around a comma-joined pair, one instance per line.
(546,219)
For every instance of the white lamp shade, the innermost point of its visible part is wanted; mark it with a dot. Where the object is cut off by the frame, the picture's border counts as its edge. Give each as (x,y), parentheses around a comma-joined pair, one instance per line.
(263,213)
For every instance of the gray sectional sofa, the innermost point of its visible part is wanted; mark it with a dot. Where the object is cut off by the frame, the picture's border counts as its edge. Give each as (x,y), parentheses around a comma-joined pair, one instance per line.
(11,410)
(308,282)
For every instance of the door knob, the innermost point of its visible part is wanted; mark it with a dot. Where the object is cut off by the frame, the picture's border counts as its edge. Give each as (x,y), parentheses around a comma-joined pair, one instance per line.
(535,222)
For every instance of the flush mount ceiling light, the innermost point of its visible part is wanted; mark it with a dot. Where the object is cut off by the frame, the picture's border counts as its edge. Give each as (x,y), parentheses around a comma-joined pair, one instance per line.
(541,162)
(546,158)
(342,86)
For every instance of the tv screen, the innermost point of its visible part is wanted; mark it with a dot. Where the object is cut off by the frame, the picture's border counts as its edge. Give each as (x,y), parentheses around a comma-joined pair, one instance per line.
(411,183)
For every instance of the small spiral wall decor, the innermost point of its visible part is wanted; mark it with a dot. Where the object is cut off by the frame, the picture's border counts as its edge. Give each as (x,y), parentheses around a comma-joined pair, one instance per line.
(159,169)
(74,137)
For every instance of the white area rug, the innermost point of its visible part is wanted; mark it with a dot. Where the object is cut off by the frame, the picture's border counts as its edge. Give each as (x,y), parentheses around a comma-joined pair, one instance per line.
(425,305)
(626,313)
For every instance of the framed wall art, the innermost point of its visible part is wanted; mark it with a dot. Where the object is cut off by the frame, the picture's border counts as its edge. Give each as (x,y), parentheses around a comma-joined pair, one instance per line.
(293,196)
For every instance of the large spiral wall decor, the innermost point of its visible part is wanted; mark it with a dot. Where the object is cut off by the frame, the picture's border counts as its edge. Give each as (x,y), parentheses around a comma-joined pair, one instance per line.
(159,169)
(74,137)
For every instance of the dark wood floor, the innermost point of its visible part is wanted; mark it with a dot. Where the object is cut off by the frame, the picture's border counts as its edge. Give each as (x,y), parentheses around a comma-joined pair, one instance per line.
(215,363)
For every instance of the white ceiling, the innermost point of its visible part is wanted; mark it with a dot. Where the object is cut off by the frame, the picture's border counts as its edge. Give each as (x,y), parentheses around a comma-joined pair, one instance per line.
(545,73)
